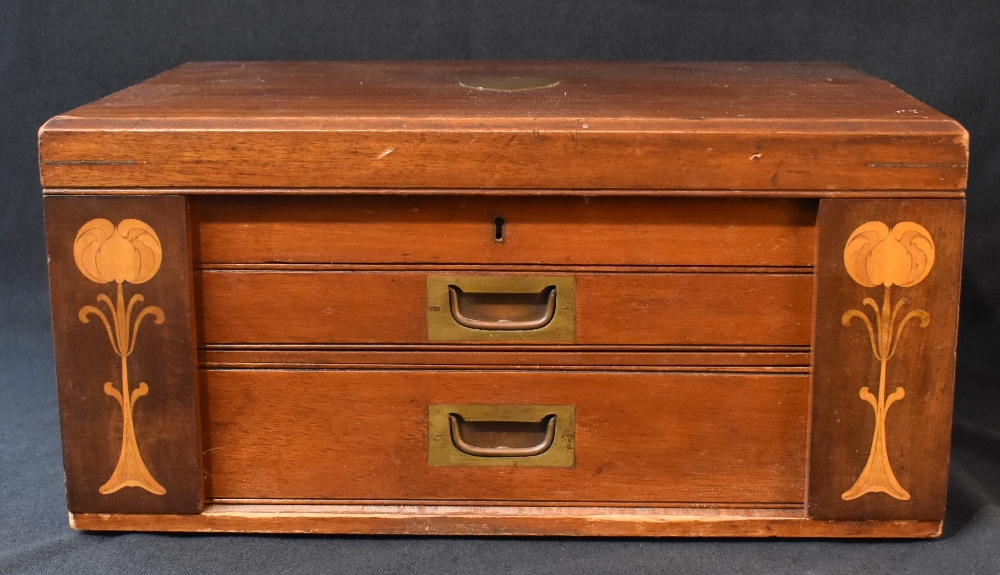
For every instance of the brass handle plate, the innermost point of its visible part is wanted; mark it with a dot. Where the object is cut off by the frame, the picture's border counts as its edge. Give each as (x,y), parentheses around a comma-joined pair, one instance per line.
(501,435)
(501,308)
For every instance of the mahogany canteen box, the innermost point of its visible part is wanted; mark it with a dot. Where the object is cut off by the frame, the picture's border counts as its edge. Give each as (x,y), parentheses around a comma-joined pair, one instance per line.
(631,299)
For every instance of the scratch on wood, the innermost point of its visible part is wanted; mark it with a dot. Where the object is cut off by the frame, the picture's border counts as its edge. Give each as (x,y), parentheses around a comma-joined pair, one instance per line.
(502,148)
(89,162)
(878,165)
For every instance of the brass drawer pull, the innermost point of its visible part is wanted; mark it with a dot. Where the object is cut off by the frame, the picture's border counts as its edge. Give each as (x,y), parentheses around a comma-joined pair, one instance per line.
(516,304)
(478,435)
(503,431)
(502,308)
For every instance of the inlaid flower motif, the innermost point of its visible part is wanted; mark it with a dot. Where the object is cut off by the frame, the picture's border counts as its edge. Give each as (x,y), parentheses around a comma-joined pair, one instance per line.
(877,256)
(130,252)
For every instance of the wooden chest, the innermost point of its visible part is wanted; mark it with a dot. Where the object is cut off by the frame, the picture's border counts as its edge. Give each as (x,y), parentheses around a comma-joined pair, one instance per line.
(506,298)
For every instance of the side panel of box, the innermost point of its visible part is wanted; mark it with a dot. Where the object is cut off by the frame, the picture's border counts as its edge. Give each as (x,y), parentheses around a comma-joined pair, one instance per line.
(123,320)
(888,275)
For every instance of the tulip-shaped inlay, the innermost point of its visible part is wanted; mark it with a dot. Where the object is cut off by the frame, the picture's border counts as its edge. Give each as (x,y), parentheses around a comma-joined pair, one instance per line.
(877,256)
(127,253)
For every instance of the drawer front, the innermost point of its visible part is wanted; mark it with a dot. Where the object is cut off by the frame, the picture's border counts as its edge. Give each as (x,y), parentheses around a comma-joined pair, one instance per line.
(534,230)
(637,437)
(281,307)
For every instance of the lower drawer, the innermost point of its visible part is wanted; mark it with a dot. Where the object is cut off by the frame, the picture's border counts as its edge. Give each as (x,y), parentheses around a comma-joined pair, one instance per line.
(638,437)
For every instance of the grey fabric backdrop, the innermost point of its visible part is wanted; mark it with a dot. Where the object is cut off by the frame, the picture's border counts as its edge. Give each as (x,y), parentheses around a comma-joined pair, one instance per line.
(55,55)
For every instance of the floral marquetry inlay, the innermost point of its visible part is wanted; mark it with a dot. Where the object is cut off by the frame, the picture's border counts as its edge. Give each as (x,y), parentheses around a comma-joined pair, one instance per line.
(127,253)
(876,255)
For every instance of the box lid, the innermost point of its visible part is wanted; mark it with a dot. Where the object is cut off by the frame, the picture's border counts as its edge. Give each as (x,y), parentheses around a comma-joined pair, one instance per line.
(814,128)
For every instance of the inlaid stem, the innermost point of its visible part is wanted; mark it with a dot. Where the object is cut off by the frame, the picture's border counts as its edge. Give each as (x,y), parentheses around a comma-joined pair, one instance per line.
(877,475)
(131,471)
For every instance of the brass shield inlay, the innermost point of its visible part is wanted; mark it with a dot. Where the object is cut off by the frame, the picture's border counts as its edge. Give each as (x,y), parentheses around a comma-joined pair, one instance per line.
(507,83)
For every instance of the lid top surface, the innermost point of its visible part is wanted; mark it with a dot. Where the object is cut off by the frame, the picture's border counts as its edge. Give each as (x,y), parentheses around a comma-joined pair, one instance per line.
(804,128)
(503,90)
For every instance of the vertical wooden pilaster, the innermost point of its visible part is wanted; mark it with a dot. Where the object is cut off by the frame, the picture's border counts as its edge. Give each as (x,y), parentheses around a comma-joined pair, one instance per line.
(123,323)
(888,274)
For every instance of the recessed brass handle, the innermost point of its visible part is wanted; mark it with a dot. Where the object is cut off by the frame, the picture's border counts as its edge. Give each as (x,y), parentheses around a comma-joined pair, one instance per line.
(513,428)
(517,303)
(487,435)
(501,307)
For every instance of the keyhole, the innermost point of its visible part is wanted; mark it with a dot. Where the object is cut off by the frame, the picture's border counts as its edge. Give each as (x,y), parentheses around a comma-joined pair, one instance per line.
(498,224)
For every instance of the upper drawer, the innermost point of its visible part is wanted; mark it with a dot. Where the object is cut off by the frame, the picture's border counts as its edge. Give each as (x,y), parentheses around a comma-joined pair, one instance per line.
(379,307)
(503,230)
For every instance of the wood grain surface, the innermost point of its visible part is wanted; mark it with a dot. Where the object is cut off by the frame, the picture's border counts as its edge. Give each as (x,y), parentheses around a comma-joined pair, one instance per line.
(669,438)
(693,126)
(505,520)
(282,307)
(162,419)
(918,427)
(502,192)
(461,230)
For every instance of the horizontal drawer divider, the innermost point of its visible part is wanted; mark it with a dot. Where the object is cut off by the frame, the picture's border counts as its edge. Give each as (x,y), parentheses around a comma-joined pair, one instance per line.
(499,268)
(717,361)
(504,369)
(474,367)
(708,508)
(493,347)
